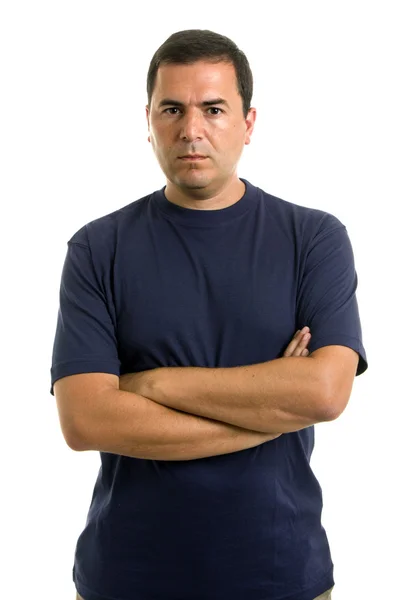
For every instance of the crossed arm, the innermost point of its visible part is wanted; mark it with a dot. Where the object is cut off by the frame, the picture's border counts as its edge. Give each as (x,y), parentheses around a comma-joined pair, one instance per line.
(278,396)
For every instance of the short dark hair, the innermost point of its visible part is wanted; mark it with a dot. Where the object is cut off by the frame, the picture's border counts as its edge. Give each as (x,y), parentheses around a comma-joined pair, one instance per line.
(191,45)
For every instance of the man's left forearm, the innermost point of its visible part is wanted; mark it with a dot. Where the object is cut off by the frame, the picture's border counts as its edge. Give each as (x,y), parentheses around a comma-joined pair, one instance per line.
(278,396)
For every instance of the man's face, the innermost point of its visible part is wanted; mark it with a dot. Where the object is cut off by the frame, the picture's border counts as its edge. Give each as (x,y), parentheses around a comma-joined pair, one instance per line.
(179,124)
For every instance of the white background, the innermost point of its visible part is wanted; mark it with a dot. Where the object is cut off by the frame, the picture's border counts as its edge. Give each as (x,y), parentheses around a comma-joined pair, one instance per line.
(74,147)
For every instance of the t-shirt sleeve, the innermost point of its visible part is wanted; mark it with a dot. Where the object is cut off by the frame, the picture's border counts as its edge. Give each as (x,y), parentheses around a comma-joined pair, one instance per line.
(85,339)
(326,300)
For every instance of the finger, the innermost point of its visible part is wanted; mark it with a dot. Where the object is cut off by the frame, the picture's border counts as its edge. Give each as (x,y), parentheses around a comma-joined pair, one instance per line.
(305,341)
(298,339)
(292,346)
(301,345)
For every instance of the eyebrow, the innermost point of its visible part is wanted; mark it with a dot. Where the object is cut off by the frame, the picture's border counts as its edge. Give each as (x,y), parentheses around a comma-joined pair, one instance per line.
(170,102)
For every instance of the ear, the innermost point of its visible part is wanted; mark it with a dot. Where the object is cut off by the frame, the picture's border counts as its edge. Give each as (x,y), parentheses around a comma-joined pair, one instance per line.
(250,121)
(148,121)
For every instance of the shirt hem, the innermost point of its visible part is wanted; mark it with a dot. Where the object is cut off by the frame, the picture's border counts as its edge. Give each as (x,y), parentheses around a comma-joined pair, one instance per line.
(324,584)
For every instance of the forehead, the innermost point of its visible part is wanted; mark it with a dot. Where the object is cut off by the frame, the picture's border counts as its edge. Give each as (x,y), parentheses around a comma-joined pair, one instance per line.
(216,79)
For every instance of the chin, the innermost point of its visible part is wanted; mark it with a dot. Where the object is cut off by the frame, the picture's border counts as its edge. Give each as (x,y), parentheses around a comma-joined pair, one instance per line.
(192,183)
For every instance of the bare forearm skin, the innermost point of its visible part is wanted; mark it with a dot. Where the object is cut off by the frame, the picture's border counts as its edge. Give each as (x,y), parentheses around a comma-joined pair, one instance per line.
(279,396)
(131,425)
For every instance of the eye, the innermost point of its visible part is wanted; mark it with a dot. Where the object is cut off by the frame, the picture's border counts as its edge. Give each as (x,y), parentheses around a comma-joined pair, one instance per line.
(210,108)
(172,108)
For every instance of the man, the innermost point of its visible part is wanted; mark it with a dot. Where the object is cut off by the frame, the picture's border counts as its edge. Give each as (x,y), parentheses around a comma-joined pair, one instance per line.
(171,358)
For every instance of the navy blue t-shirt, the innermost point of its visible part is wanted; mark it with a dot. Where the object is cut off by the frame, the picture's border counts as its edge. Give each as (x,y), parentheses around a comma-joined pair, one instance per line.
(157,285)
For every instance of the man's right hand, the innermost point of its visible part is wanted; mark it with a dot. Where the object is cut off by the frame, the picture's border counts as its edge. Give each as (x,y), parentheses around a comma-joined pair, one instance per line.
(298,345)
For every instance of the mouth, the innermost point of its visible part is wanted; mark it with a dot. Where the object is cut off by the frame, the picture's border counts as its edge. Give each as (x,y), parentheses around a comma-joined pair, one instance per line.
(193,157)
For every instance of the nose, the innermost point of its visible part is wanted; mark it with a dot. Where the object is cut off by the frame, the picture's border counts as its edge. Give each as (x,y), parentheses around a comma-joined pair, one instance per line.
(191,125)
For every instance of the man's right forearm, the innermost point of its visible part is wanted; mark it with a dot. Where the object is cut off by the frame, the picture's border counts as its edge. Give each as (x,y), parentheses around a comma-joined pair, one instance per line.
(124,423)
